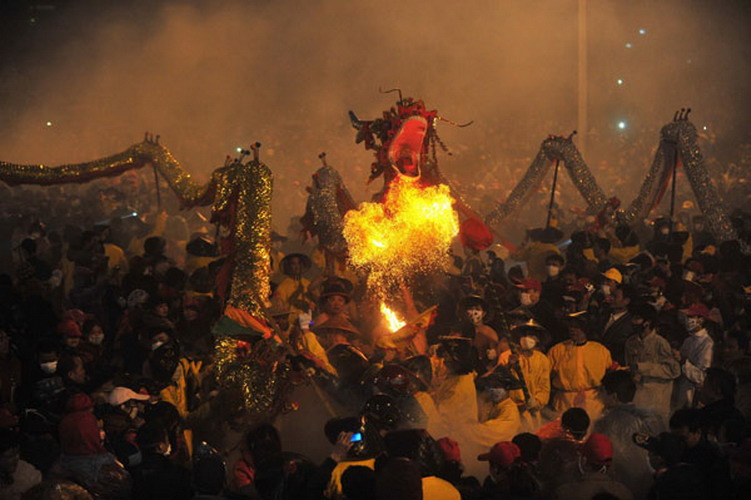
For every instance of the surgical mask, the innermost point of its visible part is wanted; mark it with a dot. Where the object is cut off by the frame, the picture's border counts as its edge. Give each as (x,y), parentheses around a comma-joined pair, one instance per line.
(49,367)
(156,345)
(96,339)
(526,299)
(475,316)
(693,324)
(659,302)
(553,271)
(527,343)
(605,289)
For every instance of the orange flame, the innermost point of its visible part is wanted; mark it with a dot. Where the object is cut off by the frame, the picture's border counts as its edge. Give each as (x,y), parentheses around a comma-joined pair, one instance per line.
(392,320)
(409,233)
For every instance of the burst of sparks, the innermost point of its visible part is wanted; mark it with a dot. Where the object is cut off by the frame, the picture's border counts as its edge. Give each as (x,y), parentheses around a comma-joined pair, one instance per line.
(409,233)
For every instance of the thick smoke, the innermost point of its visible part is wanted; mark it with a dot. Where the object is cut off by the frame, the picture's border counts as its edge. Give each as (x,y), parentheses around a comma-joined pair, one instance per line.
(211,76)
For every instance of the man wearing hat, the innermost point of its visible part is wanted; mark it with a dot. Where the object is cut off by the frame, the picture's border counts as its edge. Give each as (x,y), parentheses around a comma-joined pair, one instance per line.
(294,290)
(595,459)
(695,355)
(535,368)
(540,309)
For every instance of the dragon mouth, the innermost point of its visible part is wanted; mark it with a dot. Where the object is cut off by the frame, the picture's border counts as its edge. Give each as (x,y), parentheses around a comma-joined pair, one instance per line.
(405,150)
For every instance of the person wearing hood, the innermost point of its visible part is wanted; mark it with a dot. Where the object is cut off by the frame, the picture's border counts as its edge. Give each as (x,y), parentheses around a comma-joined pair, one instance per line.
(83,453)
(695,356)
(158,477)
(595,460)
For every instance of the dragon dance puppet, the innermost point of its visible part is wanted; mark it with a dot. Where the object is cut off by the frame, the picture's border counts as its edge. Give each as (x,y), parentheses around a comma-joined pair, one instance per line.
(250,362)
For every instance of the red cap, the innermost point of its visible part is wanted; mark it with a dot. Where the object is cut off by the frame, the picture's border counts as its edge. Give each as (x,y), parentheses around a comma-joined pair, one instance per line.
(697,309)
(76,315)
(474,234)
(69,328)
(598,450)
(502,454)
(529,284)
(450,449)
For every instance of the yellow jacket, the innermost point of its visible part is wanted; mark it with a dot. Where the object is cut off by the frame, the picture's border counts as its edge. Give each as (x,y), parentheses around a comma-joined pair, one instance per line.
(621,255)
(503,424)
(456,399)
(577,372)
(334,489)
(292,290)
(536,371)
(435,426)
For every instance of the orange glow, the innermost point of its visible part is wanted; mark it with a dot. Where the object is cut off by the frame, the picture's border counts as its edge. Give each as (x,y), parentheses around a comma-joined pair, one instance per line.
(392,320)
(409,233)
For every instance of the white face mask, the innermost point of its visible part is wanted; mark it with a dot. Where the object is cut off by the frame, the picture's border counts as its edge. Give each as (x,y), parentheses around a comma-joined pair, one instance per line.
(528,343)
(526,299)
(605,289)
(96,339)
(49,367)
(156,345)
(553,271)
(498,394)
(693,324)
(475,316)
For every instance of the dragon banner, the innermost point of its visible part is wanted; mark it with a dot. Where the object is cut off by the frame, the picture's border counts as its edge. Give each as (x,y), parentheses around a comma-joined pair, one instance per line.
(678,146)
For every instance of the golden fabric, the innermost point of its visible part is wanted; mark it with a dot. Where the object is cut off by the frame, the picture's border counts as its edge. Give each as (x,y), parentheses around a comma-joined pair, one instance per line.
(577,372)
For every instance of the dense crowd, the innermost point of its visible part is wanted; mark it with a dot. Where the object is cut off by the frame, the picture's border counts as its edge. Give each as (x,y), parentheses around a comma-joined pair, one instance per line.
(593,361)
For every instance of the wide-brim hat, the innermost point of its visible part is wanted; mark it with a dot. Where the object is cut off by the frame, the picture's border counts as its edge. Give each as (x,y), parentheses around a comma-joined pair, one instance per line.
(305,262)
(202,246)
(337,286)
(473,300)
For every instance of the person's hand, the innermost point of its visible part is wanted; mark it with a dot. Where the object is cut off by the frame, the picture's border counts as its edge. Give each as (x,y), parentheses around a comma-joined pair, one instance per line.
(677,355)
(342,446)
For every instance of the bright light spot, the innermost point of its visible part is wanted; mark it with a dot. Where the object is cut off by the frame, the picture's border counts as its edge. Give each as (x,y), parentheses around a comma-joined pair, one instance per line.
(642,31)
(381,245)
(49,124)
(621,125)
(704,127)
(392,320)
(134,214)
(629,45)
(239,150)
(619,81)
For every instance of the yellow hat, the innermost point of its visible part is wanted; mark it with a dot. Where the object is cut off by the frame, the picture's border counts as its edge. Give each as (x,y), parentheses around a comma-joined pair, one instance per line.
(613,274)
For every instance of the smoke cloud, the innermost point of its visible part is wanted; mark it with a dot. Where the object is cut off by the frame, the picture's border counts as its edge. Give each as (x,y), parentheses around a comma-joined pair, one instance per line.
(212,76)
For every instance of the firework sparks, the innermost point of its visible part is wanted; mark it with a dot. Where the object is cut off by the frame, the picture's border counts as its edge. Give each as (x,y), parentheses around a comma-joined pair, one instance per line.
(409,233)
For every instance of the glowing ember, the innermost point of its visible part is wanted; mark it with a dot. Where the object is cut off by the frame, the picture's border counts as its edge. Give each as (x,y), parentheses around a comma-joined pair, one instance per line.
(409,233)
(394,323)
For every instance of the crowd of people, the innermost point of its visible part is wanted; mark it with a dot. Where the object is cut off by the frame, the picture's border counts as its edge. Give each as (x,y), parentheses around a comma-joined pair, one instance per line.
(597,360)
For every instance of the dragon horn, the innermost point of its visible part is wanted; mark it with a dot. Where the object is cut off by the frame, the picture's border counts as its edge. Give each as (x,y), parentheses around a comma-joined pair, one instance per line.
(390,91)
(460,125)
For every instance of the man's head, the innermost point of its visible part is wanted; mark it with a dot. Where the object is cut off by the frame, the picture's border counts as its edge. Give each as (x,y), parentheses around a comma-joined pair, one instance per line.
(529,292)
(621,297)
(643,317)
(597,452)
(501,457)
(553,265)
(575,421)
(577,331)
(474,308)
(696,315)
(47,356)
(618,388)
(686,423)
(72,370)
(734,347)
(153,437)
(529,445)
(70,332)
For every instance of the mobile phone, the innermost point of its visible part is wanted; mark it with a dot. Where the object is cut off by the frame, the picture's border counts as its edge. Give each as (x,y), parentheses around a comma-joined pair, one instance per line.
(356,437)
